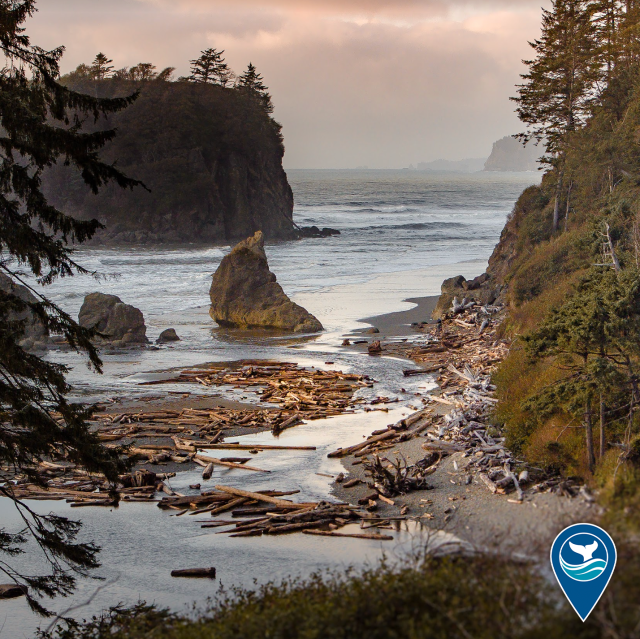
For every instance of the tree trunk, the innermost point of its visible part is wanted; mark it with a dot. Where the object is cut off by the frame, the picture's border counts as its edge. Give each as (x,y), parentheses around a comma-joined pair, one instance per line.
(589,432)
(602,424)
(556,206)
(566,215)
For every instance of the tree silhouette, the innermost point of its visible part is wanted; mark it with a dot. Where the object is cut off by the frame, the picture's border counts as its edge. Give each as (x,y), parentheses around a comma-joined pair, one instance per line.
(211,68)
(41,124)
(252,83)
(100,68)
(143,71)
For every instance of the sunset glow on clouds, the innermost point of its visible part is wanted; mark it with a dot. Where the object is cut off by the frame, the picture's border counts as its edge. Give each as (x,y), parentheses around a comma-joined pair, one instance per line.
(355,82)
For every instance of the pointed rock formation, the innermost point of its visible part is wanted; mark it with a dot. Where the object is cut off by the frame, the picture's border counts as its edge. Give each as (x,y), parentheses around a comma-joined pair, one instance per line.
(244,293)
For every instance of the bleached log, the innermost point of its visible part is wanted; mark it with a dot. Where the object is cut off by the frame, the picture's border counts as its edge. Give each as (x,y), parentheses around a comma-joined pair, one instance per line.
(281,503)
(218,462)
(488,483)
(331,533)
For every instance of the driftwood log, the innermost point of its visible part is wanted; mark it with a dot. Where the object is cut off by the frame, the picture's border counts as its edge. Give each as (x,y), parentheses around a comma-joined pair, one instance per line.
(209,573)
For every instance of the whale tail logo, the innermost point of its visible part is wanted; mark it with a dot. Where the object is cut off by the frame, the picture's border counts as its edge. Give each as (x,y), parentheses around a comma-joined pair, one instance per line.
(591,568)
(583,558)
(585,551)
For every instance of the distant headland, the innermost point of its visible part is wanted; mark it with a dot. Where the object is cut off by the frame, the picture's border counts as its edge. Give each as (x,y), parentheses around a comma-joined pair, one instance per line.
(508,154)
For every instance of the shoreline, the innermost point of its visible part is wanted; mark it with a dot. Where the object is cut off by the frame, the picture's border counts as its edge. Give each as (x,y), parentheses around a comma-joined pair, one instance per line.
(398,323)
(455,502)
(467,512)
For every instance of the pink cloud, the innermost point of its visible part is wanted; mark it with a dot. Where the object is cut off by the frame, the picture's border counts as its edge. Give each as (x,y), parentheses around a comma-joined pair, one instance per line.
(375,82)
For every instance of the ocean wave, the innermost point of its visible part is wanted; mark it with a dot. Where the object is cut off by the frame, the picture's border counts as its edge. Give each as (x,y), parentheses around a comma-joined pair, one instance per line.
(584,572)
(338,208)
(415,226)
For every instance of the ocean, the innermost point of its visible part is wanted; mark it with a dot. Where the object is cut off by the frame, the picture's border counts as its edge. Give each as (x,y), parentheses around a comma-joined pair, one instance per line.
(402,233)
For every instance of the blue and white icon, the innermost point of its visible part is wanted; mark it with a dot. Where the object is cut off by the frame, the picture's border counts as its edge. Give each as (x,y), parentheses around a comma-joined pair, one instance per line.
(583,558)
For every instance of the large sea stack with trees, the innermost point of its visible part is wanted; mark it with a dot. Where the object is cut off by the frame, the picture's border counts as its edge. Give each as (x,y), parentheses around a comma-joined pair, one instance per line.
(207,150)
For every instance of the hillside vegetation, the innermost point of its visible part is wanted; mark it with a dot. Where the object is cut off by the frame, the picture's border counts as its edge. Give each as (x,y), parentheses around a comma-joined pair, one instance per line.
(570,259)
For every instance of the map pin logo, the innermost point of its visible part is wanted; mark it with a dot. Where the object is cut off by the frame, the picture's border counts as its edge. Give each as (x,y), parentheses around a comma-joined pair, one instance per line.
(583,558)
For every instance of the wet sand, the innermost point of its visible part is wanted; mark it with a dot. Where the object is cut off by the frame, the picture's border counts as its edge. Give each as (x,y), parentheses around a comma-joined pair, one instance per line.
(399,324)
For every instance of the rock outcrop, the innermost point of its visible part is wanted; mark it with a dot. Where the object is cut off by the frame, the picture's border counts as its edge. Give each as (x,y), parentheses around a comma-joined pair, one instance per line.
(508,154)
(118,324)
(244,293)
(210,157)
(483,289)
(35,334)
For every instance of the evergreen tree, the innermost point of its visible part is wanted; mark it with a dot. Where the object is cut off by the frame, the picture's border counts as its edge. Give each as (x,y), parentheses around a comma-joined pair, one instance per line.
(607,16)
(100,68)
(559,89)
(40,124)
(143,72)
(253,83)
(211,68)
(629,33)
(593,339)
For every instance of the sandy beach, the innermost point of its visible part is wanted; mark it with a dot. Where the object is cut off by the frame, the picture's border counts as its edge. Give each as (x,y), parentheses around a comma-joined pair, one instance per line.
(467,510)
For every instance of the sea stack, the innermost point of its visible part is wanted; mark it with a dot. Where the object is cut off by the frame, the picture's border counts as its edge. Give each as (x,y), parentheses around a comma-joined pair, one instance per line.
(244,293)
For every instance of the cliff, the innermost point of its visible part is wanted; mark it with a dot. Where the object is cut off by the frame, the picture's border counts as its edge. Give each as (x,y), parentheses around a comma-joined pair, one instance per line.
(572,292)
(508,154)
(211,158)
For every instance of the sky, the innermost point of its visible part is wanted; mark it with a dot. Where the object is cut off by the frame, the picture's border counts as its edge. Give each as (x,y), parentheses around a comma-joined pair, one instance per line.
(377,83)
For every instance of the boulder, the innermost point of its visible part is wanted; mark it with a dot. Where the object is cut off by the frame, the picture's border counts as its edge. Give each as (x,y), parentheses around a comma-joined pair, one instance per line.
(35,335)
(119,324)
(244,293)
(314,231)
(168,335)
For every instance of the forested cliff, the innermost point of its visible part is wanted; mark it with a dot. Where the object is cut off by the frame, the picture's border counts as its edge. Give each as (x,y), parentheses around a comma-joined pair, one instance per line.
(209,155)
(568,261)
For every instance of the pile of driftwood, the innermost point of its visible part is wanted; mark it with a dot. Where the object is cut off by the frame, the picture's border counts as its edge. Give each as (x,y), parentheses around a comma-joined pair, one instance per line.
(462,351)
(188,435)
(310,393)
(301,394)
(388,437)
(80,488)
(465,349)
(266,513)
(188,428)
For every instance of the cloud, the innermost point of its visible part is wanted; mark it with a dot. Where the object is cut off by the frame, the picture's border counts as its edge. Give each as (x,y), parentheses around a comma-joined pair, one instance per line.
(416,9)
(375,82)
